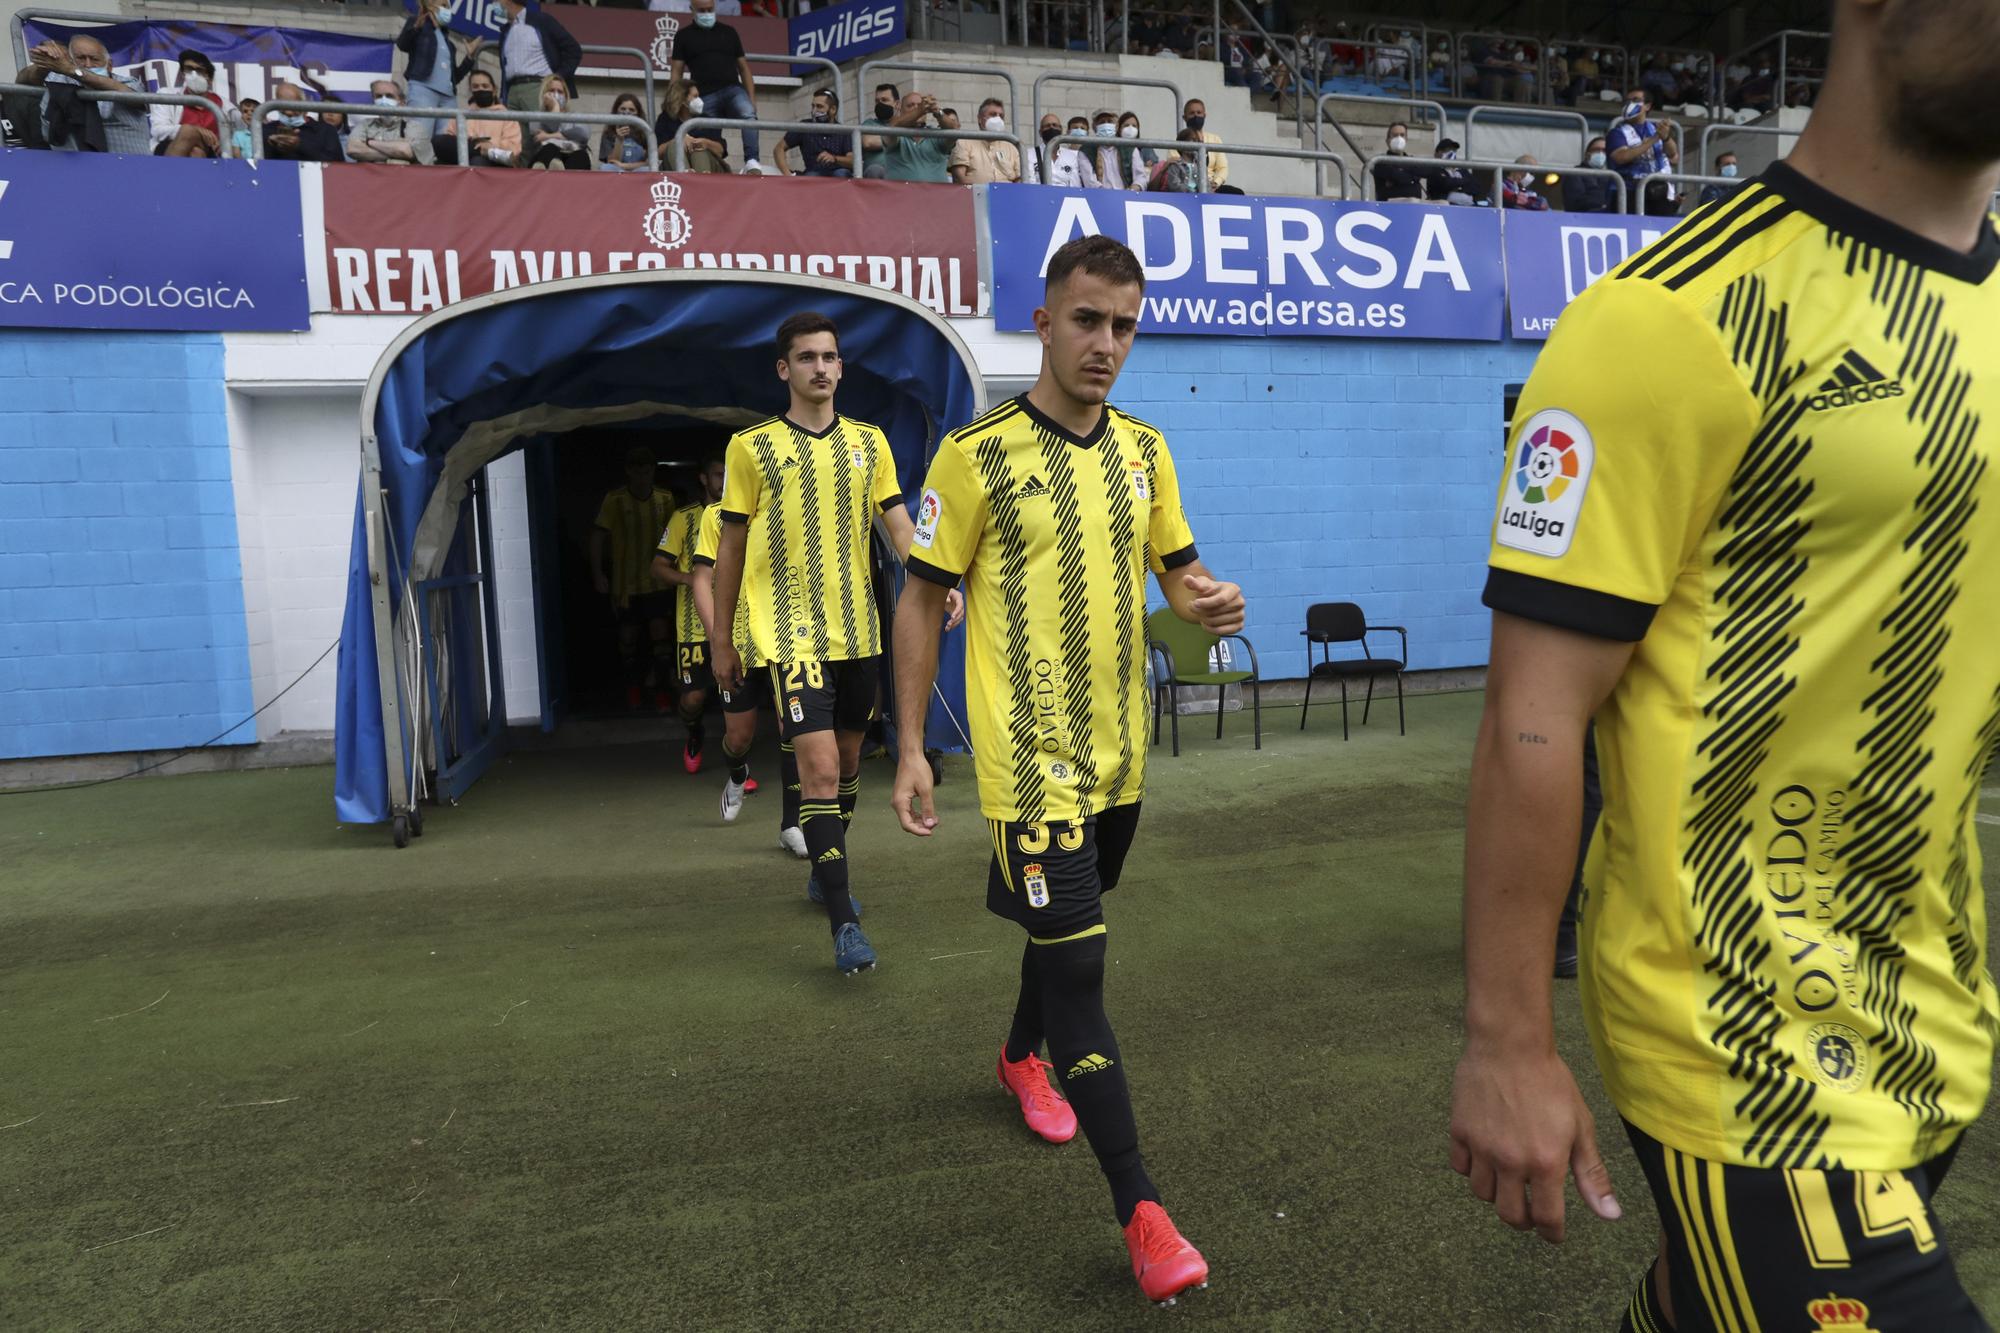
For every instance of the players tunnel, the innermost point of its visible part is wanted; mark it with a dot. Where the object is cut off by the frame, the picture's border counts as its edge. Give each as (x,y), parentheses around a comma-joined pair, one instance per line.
(420,707)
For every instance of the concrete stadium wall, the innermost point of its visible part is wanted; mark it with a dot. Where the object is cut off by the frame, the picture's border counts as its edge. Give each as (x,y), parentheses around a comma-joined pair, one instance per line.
(121,584)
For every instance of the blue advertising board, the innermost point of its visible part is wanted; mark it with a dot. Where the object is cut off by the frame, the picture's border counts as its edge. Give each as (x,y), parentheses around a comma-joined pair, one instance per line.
(841,32)
(248,61)
(1250,266)
(1552,257)
(190,245)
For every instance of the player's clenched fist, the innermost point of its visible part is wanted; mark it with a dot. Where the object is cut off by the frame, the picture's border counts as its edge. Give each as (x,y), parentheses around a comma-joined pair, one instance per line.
(1518,1127)
(1218,606)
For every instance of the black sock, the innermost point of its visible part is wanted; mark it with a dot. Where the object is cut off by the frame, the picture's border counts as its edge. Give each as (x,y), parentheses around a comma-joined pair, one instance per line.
(788,766)
(1644,1313)
(1024,1038)
(826,849)
(739,764)
(1085,1054)
(850,792)
(697,734)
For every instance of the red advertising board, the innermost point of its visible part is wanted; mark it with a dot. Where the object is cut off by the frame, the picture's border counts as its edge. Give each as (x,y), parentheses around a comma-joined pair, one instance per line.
(654,33)
(403,241)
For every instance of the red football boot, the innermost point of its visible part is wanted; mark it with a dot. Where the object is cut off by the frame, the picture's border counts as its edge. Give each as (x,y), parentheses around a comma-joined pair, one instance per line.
(1047,1114)
(635,697)
(1163,1261)
(749,786)
(691,759)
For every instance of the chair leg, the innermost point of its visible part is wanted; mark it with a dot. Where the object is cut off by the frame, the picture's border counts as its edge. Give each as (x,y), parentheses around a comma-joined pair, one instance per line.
(1174,716)
(1400,731)
(1369,702)
(1343,708)
(1256,713)
(1159,694)
(1307,706)
(1221,698)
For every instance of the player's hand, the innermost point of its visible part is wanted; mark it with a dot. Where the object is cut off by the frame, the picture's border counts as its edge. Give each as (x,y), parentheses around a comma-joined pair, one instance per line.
(1218,605)
(954,609)
(1518,1126)
(602,581)
(912,797)
(726,665)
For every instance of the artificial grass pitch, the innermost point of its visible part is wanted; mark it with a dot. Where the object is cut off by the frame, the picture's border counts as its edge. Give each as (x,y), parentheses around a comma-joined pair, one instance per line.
(578,1059)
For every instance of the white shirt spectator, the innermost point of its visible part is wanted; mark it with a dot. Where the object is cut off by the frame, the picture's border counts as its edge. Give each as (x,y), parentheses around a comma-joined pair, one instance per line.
(1070,168)
(521,53)
(164,122)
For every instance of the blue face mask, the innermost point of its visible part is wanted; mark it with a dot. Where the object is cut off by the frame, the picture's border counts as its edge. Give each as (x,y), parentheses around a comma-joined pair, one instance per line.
(1632,110)
(291,119)
(99,70)
(1106,131)
(1729,169)
(705,20)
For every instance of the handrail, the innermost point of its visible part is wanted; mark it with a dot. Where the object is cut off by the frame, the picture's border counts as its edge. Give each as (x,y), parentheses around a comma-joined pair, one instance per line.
(1425,103)
(857,131)
(1714,70)
(26,16)
(1421,32)
(645,67)
(458,115)
(1500,170)
(1417,70)
(1539,63)
(788,126)
(1298,82)
(1681,178)
(1545,112)
(1717,127)
(222,114)
(1783,38)
(1115,80)
(1368,170)
(1201,149)
(833,69)
(863,74)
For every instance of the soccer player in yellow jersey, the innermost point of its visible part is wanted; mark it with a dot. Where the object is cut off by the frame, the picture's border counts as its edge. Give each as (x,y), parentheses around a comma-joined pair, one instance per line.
(1052,507)
(798,510)
(1766,564)
(674,565)
(621,565)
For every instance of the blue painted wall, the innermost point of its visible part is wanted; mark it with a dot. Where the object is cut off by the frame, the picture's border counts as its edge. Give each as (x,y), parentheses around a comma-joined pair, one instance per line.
(1336,470)
(121,581)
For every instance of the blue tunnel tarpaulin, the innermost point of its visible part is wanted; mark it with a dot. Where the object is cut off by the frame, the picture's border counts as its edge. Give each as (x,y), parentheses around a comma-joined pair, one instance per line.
(487,377)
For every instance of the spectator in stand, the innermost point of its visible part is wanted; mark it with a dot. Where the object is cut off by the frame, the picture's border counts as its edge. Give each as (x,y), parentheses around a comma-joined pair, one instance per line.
(533,48)
(1556,71)
(428,67)
(553,143)
(1585,77)
(1274,75)
(827,153)
(986,161)
(712,53)
(1639,149)
(1517,189)
(912,158)
(620,147)
(1398,180)
(948,118)
(239,128)
(705,149)
(1661,82)
(1066,166)
(1757,92)
(337,122)
(182,131)
(1236,61)
(293,136)
(1724,166)
(1104,153)
(1449,183)
(384,137)
(1195,117)
(1173,173)
(493,143)
(71,120)
(887,98)
(1502,73)
(1591,194)
(1177,39)
(1136,162)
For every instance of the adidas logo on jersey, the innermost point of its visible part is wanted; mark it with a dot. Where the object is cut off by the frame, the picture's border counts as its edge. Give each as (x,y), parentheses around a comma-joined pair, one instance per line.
(1032,489)
(1853,383)
(790,461)
(1090,1064)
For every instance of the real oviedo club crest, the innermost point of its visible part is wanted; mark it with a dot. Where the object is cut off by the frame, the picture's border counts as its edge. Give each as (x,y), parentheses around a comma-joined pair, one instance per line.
(663,42)
(667,224)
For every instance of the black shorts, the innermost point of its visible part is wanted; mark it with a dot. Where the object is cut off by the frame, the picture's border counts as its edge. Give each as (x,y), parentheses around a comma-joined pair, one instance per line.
(756,686)
(647,607)
(825,696)
(1052,878)
(1805,1249)
(692,670)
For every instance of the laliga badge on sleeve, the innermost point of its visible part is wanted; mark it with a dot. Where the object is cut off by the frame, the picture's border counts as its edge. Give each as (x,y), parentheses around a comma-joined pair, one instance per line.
(929,510)
(1543,495)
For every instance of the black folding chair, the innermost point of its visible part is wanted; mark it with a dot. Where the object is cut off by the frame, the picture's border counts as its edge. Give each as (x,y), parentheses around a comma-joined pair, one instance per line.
(1328,623)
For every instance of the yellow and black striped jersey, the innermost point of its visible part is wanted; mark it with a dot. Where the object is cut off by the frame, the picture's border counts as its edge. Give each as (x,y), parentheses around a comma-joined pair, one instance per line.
(708,540)
(634,525)
(1053,535)
(1761,449)
(677,543)
(810,503)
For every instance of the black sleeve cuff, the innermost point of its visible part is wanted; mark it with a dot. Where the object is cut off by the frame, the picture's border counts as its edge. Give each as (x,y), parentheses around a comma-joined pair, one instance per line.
(1184,556)
(730,516)
(930,573)
(1581,609)
(891,503)
(703,560)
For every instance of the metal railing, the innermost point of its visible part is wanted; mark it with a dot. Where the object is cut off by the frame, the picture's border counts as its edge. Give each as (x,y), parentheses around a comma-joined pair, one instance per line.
(1544,113)
(223,114)
(1783,37)
(1423,103)
(856,131)
(1425,166)
(864,76)
(1298,99)
(1715,127)
(459,116)
(1113,80)
(1537,63)
(1714,94)
(1390,34)
(1689,178)
(1415,71)
(832,70)
(1199,149)
(645,67)
(719,123)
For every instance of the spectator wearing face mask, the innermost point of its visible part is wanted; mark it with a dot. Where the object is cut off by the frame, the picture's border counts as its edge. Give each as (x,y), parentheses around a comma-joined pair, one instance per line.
(1591,194)
(1066,166)
(907,158)
(239,128)
(1517,188)
(1401,179)
(712,54)
(1447,181)
(494,143)
(887,98)
(1137,163)
(555,144)
(183,131)
(827,153)
(705,149)
(1758,91)
(1502,71)
(1724,166)
(428,67)
(1585,76)
(1195,117)
(533,48)
(620,147)
(293,136)
(71,120)
(986,161)
(1641,148)
(387,137)
(1104,153)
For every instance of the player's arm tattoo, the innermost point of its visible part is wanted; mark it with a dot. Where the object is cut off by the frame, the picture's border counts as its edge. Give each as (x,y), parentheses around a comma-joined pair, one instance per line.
(1530,738)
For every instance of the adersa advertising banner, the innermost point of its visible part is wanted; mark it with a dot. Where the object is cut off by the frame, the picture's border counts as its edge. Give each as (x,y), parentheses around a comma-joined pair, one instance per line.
(188,246)
(655,34)
(249,62)
(1552,257)
(842,32)
(399,246)
(1249,266)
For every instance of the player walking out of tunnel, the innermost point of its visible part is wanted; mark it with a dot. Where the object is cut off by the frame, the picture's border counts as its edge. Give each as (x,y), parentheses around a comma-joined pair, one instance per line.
(1052,507)
(799,502)
(674,565)
(621,564)
(1768,571)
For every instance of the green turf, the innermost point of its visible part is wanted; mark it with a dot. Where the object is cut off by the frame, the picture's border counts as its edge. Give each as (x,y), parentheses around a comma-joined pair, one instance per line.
(578,1060)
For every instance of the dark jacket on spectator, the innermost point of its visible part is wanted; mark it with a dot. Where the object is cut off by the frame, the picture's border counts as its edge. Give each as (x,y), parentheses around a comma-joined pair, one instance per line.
(421,43)
(1589,194)
(561,50)
(1399,179)
(318,142)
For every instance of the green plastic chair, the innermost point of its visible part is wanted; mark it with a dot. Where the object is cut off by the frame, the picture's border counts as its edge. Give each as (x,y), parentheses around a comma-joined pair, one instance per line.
(1183,650)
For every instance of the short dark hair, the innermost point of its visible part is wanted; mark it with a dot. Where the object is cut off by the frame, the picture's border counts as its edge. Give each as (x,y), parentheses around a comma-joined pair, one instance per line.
(799,325)
(1101,257)
(992,101)
(829,94)
(482,74)
(890,89)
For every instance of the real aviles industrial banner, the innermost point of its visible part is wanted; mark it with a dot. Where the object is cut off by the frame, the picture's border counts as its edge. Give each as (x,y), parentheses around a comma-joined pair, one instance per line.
(1241,265)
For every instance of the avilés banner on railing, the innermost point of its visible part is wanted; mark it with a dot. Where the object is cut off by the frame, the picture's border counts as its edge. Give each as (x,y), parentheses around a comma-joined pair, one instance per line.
(405,242)
(248,61)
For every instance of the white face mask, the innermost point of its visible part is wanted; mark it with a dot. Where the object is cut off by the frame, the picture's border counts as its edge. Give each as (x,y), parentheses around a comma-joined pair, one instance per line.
(195,83)
(1128,132)
(1596,159)
(1632,110)
(995,124)
(385,100)
(705,20)
(1397,143)
(1729,169)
